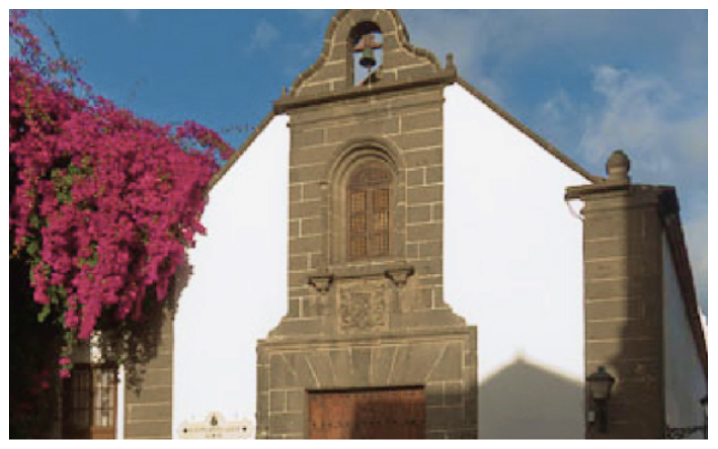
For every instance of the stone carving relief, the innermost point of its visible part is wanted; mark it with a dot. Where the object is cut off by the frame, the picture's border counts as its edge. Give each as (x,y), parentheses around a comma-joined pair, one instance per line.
(363,307)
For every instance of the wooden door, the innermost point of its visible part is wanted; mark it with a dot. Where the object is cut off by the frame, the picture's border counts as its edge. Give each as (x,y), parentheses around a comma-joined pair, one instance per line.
(367,414)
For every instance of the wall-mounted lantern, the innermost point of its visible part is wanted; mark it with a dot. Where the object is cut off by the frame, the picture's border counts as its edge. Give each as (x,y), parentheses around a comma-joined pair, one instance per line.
(599,387)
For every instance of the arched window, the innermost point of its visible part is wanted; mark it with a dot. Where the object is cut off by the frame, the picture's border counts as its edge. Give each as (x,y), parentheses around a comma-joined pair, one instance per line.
(369,199)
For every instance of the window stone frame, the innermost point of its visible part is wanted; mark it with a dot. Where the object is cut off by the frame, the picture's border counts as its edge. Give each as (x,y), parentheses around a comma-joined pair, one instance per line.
(349,158)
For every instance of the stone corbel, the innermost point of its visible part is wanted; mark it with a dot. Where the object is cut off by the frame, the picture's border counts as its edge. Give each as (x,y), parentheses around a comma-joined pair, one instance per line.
(321,283)
(399,276)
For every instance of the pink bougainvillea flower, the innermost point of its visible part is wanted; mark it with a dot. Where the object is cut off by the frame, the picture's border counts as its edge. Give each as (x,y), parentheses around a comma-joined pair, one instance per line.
(105,203)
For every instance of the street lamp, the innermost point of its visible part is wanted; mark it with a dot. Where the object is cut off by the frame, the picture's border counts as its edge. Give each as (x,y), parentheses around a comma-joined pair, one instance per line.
(599,386)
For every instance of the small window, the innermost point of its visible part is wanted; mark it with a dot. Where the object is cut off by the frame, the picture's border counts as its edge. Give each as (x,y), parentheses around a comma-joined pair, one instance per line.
(369,194)
(90,402)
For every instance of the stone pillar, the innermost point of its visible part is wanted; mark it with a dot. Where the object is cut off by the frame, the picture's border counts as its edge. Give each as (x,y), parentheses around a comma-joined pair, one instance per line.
(623,300)
(148,400)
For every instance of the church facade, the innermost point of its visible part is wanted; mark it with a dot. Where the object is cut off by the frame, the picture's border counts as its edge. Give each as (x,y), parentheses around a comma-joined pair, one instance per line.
(393,255)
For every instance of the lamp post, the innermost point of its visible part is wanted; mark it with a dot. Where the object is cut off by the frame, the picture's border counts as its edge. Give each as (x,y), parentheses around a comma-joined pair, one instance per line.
(599,386)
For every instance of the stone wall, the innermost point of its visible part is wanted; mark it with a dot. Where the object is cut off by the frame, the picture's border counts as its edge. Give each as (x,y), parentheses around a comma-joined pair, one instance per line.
(371,322)
(444,363)
(316,226)
(148,401)
(623,267)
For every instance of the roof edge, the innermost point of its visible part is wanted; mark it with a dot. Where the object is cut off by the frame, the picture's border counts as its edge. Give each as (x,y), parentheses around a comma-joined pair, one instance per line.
(516,123)
(241,149)
(671,219)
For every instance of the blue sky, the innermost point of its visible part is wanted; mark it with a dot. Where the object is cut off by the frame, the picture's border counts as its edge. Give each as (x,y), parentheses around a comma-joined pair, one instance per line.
(589,81)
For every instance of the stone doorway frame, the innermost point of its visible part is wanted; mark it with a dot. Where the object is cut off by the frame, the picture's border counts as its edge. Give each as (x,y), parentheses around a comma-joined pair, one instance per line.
(443,361)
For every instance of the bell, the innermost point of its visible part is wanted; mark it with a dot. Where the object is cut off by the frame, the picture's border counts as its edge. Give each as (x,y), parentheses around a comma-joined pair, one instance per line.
(367,59)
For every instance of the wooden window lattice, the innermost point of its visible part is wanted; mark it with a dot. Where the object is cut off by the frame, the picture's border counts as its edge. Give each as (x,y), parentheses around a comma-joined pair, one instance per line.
(369,205)
(90,402)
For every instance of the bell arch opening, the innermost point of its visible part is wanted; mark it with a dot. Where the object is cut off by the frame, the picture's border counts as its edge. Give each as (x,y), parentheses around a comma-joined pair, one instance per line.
(364,54)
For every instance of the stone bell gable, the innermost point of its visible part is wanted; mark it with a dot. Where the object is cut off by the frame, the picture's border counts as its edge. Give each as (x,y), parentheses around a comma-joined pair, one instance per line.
(366,311)
(334,70)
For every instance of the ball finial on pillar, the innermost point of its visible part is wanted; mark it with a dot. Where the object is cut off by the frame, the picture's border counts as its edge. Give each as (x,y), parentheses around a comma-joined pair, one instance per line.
(617,167)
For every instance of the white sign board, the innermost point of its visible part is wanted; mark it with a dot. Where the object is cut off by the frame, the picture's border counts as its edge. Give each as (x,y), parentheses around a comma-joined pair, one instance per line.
(215,427)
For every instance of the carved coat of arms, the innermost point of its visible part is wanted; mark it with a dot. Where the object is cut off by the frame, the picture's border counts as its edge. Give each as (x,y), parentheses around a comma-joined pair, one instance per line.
(361,311)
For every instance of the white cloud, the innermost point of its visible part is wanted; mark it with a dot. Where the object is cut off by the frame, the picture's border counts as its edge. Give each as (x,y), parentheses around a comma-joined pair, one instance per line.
(556,118)
(263,36)
(667,142)
(132,15)
(632,115)
(645,116)
(312,16)
(466,34)
(635,80)
(488,44)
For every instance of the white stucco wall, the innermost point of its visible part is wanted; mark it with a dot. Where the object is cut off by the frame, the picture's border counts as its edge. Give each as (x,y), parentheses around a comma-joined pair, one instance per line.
(685,383)
(120,427)
(513,267)
(237,291)
(512,264)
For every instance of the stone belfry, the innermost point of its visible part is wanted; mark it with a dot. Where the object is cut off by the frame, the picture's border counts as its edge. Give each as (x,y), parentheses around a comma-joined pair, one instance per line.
(368,346)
